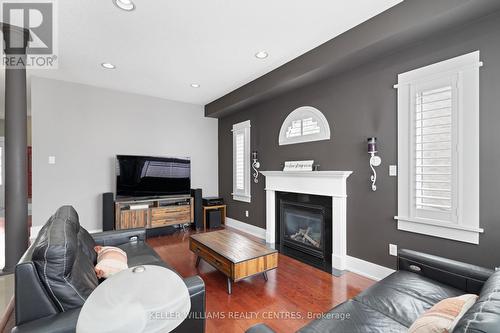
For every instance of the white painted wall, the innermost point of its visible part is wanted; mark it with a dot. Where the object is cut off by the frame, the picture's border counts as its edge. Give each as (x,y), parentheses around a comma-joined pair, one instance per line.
(84,127)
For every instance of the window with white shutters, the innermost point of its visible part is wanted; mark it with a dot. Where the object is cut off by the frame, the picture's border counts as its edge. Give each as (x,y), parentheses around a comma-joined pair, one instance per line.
(241,161)
(304,124)
(434,156)
(438,149)
(302,127)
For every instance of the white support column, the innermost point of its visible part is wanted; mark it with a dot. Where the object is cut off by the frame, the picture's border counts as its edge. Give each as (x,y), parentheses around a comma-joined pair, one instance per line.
(339,232)
(270,216)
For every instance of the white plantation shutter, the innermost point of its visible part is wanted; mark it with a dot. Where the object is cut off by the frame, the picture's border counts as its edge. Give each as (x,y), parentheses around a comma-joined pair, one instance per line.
(241,161)
(310,126)
(295,129)
(301,127)
(438,149)
(434,167)
(304,124)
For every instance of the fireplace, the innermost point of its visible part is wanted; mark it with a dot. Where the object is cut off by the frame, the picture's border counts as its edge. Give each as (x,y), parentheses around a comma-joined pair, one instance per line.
(329,184)
(304,231)
(302,227)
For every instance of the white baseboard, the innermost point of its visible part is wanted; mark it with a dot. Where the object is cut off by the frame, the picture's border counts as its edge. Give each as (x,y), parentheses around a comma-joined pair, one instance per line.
(338,262)
(35,230)
(245,227)
(352,264)
(367,269)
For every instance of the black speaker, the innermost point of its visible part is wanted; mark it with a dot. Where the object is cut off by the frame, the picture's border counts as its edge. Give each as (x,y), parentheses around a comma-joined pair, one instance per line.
(198,210)
(214,217)
(108,211)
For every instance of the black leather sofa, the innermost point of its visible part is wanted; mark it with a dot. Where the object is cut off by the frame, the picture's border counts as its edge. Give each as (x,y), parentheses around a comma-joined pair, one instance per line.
(422,280)
(56,275)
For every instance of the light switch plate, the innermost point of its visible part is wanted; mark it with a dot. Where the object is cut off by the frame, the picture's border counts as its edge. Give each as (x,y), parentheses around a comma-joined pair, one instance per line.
(52,160)
(246,213)
(393,170)
(393,250)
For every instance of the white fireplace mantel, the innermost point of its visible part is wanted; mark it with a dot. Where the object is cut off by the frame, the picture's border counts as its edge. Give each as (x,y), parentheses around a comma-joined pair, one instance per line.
(326,183)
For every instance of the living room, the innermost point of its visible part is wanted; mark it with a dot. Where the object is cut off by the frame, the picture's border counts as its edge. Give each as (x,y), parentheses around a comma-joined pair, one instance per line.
(250,167)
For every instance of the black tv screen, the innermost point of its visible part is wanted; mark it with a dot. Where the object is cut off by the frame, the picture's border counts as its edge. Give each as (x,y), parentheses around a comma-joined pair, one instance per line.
(148,176)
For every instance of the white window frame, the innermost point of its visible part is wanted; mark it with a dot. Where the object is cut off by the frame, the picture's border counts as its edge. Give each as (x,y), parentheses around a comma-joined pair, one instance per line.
(242,194)
(463,71)
(300,114)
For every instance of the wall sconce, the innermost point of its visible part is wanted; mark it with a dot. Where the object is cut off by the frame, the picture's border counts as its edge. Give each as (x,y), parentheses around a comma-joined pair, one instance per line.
(375,161)
(255,167)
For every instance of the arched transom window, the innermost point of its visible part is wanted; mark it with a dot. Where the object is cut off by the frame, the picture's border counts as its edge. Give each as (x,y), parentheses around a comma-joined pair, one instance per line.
(304,124)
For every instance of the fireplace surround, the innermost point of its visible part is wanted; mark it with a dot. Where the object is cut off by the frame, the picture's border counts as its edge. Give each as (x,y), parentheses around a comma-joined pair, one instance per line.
(332,184)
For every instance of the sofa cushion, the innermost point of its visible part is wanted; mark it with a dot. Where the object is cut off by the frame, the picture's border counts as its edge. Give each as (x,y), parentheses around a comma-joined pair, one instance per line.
(484,315)
(404,296)
(87,244)
(65,270)
(353,317)
(139,253)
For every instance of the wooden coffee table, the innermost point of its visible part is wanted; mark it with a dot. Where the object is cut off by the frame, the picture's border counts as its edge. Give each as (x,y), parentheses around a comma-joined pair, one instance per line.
(234,255)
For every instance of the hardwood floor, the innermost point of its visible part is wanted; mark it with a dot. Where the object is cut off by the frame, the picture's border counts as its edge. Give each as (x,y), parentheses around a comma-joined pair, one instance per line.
(294,292)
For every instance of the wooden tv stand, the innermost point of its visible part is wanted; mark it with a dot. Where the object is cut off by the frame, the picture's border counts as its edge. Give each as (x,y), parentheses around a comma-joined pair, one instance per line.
(153,213)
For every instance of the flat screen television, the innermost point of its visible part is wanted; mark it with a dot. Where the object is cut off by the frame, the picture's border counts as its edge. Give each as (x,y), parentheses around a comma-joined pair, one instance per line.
(148,176)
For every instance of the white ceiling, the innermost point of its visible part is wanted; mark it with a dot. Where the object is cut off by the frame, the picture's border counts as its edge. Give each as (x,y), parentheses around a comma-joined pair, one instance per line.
(165,45)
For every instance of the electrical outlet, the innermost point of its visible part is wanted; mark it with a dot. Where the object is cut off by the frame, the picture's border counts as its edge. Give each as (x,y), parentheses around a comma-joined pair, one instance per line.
(393,250)
(52,160)
(246,213)
(393,170)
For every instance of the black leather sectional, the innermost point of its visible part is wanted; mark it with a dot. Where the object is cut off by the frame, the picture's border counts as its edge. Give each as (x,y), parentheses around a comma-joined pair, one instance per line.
(56,275)
(421,281)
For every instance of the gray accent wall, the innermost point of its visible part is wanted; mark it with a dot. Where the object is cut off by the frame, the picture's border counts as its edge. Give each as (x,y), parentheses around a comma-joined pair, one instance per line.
(361,103)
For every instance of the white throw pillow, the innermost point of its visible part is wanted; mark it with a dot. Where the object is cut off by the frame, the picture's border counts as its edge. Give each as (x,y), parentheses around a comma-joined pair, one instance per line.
(444,315)
(110,260)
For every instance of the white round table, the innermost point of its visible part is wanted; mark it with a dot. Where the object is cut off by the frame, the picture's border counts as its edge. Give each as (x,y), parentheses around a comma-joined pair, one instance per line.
(140,299)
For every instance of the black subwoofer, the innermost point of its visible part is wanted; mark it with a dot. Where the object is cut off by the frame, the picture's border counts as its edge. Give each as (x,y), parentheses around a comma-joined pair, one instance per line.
(214,218)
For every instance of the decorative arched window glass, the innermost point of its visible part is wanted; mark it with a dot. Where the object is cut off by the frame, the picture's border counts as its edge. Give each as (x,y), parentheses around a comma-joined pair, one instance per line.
(304,124)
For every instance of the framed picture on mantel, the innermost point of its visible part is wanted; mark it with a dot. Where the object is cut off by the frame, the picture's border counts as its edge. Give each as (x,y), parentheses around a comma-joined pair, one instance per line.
(298,166)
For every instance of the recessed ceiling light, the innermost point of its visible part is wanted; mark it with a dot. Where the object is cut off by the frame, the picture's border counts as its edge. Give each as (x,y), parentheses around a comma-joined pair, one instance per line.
(108,65)
(261,55)
(195,85)
(127,5)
